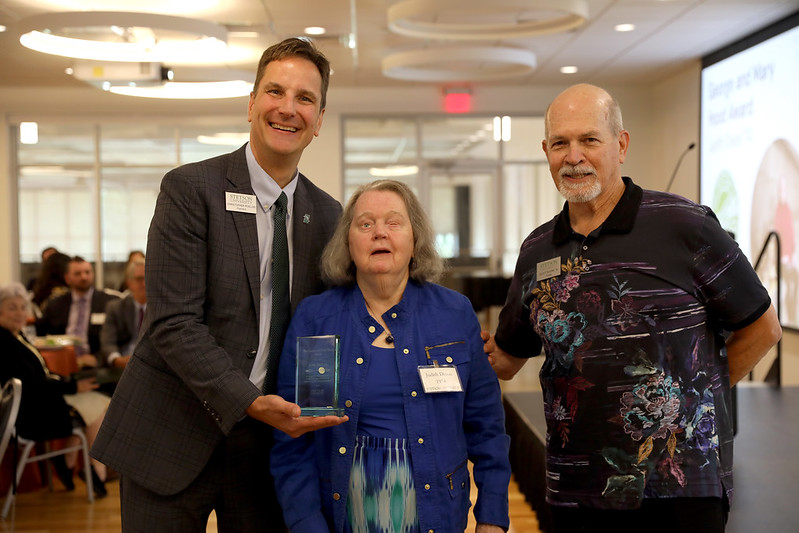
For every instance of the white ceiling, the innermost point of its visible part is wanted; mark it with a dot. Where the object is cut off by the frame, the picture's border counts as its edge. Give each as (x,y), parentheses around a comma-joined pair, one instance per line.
(668,34)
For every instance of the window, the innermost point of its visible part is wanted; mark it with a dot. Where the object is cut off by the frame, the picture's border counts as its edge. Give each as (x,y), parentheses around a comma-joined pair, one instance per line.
(90,190)
(483,195)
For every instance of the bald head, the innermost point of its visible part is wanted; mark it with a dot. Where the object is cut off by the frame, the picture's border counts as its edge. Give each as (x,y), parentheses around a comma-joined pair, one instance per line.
(585,146)
(582,98)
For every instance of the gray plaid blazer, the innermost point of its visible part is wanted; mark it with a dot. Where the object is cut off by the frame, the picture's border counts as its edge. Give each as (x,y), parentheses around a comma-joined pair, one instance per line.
(187,383)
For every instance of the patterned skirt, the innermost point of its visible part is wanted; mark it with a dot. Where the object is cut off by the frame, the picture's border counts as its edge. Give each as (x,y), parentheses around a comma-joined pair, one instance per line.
(382,498)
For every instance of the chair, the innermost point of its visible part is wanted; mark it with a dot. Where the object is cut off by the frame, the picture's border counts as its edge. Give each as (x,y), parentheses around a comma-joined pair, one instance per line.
(10,396)
(28,445)
(9,408)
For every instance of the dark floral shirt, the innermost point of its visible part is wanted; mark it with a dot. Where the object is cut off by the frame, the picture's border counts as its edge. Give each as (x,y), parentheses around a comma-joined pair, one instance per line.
(635,380)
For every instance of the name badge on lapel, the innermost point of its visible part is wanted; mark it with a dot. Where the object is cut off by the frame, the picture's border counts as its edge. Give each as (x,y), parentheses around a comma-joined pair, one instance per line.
(240,203)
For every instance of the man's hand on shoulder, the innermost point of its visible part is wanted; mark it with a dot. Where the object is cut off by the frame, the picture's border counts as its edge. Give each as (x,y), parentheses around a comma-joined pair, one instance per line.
(285,416)
(504,364)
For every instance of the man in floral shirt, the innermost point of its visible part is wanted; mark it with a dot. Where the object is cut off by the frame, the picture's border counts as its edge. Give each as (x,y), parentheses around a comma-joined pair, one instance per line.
(628,292)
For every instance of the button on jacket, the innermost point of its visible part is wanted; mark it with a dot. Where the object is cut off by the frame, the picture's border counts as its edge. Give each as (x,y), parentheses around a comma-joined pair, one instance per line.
(431,323)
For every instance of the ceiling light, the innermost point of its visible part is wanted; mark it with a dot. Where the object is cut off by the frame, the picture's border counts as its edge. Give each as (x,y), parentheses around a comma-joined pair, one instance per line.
(624,27)
(28,132)
(188,90)
(314,30)
(123,36)
(467,63)
(569,69)
(478,19)
(394,171)
(502,129)
(2,28)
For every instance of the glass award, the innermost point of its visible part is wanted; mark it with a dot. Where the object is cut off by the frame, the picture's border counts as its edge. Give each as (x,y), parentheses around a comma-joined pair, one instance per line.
(318,375)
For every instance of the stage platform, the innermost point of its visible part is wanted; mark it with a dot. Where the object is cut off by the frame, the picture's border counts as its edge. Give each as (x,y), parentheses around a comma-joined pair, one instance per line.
(766,468)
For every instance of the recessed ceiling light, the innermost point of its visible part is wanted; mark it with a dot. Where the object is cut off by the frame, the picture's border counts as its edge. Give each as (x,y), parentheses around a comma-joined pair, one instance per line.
(315,30)
(624,27)
(28,132)
(569,69)
(2,28)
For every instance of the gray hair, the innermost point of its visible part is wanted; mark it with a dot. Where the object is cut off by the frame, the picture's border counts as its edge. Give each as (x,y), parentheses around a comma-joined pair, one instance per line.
(14,289)
(131,268)
(426,265)
(614,116)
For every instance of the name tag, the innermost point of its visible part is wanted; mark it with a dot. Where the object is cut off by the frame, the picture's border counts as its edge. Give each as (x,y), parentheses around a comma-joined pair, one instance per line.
(440,379)
(547,269)
(241,203)
(97,319)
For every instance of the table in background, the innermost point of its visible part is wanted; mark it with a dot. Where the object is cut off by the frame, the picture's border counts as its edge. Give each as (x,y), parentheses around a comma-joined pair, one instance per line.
(62,360)
(527,427)
(486,291)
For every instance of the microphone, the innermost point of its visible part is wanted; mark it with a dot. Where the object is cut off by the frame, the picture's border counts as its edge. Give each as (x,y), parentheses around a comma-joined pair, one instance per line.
(679,161)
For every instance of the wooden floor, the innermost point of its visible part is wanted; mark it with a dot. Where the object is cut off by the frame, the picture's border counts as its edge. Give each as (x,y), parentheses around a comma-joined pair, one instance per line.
(69,512)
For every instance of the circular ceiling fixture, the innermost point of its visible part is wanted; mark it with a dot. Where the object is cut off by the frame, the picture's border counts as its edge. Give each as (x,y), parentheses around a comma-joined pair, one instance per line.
(463,63)
(482,19)
(188,90)
(123,36)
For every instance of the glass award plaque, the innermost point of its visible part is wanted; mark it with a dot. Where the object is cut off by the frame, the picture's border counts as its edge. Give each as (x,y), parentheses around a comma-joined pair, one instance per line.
(318,375)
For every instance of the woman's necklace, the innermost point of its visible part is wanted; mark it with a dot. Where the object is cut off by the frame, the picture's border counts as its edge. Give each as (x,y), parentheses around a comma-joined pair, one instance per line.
(389,337)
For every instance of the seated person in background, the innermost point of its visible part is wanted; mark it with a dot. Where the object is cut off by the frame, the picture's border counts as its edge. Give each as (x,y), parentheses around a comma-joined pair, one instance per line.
(134,255)
(51,405)
(51,282)
(123,319)
(79,313)
(400,463)
(47,252)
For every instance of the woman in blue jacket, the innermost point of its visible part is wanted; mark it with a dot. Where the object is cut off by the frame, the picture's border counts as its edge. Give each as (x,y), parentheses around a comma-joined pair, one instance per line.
(400,463)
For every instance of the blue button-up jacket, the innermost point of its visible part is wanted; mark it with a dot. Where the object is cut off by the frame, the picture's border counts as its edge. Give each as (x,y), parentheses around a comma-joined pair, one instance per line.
(430,325)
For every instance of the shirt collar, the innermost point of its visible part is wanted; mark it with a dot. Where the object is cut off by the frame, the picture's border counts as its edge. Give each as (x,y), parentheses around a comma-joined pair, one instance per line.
(88,295)
(265,187)
(620,220)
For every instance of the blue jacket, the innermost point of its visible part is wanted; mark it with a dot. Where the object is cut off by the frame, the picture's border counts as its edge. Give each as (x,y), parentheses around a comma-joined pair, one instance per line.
(444,430)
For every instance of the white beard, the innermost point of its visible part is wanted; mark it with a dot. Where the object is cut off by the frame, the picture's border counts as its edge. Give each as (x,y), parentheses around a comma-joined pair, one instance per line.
(583,191)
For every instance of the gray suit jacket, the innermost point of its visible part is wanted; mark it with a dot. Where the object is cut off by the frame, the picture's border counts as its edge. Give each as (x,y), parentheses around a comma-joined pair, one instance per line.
(120,329)
(187,383)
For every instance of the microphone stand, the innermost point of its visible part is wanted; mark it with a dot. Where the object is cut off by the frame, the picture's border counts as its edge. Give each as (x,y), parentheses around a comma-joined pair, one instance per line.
(677,166)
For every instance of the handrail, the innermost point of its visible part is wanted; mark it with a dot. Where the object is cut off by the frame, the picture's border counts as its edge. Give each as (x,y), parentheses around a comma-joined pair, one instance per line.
(777,365)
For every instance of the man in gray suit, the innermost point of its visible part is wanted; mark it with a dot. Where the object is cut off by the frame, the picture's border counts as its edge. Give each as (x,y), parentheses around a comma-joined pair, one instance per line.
(123,319)
(189,429)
